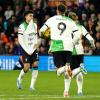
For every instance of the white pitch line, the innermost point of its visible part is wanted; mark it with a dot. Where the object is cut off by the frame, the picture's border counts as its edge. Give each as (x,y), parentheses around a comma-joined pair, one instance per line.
(78,97)
(29,97)
(19,99)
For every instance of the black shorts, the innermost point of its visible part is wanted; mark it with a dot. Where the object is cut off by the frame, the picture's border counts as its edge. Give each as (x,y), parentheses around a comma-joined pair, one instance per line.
(30,58)
(60,58)
(76,61)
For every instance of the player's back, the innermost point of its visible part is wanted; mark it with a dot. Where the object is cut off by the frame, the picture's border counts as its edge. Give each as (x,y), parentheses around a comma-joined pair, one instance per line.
(61,28)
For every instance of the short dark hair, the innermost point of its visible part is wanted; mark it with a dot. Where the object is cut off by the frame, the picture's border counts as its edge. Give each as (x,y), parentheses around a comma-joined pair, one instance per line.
(61,8)
(28,12)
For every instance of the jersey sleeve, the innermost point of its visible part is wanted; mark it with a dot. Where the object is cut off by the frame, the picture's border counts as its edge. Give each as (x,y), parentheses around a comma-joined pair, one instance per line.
(88,36)
(21,29)
(44,28)
(74,27)
(48,22)
(75,31)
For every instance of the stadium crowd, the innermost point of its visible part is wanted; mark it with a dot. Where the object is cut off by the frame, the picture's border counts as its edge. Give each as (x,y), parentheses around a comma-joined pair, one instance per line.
(11,15)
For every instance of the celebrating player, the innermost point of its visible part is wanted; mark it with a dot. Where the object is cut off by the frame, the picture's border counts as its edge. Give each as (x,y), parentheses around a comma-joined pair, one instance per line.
(77,58)
(61,28)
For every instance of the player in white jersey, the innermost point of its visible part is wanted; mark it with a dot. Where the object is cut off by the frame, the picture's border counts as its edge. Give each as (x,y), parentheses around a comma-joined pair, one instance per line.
(28,40)
(61,28)
(77,58)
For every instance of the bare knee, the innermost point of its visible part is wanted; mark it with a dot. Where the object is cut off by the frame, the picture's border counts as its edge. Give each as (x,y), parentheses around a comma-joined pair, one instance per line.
(35,64)
(26,67)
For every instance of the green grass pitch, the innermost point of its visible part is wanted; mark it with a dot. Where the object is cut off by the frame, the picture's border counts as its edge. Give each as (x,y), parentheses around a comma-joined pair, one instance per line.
(48,87)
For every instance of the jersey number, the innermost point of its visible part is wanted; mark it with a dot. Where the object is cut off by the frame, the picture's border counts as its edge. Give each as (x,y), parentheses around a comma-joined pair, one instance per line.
(62,27)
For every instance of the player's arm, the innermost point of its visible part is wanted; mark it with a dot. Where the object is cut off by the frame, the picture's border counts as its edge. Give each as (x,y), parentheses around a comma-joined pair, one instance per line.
(21,40)
(75,33)
(88,36)
(45,29)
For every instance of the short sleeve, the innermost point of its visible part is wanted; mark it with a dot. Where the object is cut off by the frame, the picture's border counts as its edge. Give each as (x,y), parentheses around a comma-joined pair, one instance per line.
(48,22)
(21,29)
(74,27)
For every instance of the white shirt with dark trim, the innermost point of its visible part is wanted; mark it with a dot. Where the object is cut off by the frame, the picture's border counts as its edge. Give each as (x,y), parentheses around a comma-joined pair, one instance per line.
(27,36)
(61,29)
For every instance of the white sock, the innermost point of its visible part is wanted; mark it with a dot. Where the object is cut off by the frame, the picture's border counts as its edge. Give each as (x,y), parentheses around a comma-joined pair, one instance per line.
(75,71)
(79,80)
(61,70)
(21,74)
(34,77)
(67,83)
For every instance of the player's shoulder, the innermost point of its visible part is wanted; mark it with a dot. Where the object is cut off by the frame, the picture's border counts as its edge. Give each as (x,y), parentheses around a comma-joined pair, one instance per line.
(22,25)
(69,19)
(52,18)
(82,27)
(78,25)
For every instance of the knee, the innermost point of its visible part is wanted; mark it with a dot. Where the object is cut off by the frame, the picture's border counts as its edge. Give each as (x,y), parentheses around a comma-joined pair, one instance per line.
(35,64)
(80,77)
(26,70)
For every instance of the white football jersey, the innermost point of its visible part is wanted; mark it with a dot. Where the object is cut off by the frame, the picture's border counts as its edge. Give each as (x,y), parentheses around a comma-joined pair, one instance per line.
(27,36)
(61,29)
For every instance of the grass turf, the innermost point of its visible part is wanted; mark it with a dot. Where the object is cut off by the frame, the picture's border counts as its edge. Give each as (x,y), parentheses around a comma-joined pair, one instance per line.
(48,87)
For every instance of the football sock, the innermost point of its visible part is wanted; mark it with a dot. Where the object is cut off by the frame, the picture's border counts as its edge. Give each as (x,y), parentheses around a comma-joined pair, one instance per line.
(21,74)
(67,83)
(76,71)
(34,78)
(61,70)
(79,80)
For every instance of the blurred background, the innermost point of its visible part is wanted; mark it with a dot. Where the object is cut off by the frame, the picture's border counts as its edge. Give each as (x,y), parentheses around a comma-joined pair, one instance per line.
(11,15)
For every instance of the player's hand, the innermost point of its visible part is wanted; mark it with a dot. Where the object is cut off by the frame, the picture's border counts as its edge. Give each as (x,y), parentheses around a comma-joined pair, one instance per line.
(30,54)
(35,46)
(49,52)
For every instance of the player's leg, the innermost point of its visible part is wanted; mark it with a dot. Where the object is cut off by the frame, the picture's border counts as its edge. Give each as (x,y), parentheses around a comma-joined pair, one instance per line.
(79,77)
(75,66)
(67,81)
(79,80)
(22,73)
(67,61)
(80,67)
(34,70)
(59,63)
(58,58)
(25,69)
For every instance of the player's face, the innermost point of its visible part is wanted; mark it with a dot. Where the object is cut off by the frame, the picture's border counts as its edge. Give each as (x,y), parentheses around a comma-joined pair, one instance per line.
(29,17)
